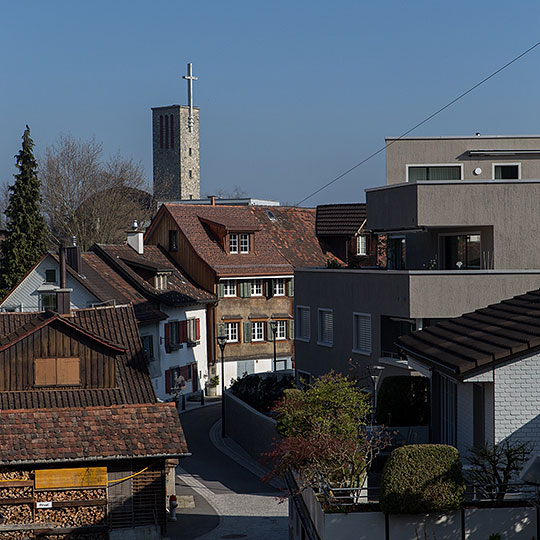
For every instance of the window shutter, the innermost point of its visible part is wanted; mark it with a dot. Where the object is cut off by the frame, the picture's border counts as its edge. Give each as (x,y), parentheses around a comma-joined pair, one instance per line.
(291,329)
(269,335)
(182,331)
(45,371)
(197,329)
(168,381)
(68,371)
(221,290)
(269,288)
(168,337)
(247,332)
(245,289)
(291,287)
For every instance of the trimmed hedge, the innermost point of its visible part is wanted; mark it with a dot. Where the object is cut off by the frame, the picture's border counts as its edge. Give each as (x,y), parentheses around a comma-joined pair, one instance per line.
(403,401)
(422,478)
(261,392)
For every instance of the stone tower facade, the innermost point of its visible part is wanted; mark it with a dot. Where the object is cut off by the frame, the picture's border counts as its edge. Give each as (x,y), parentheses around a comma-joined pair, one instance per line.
(177,171)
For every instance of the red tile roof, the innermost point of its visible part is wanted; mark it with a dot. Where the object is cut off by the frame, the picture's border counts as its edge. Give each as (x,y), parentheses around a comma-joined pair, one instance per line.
(180,289)
(90,433)
(340,219)
(284,238)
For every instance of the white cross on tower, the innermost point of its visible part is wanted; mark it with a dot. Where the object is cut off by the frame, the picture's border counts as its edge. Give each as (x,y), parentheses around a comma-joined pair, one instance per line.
(190,78)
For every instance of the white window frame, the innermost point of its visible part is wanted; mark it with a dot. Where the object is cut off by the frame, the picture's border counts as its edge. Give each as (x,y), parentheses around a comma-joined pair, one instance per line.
(306,310)
(161,281)
(281,330)
(244,243)
(355,340)
(232,331)
(361,247)
(460,165)
(279,287)
(493,165)
(257,331)
(320,341)
(233,242)
(256,287)
(229,288)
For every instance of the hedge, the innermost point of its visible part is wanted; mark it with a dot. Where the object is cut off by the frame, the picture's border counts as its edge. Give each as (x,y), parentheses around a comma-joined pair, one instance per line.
(403,401)
(422,478)
(261,392)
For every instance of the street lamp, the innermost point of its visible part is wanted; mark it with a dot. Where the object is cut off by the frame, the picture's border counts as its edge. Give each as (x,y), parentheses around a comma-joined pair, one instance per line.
(374,375)
(273,327)
(222,341)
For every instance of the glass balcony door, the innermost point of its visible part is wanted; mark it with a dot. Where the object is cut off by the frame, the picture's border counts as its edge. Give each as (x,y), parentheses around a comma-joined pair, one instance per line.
(460,252)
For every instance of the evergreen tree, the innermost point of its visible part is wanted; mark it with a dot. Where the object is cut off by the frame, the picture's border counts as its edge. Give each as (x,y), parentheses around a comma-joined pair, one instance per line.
(26,232)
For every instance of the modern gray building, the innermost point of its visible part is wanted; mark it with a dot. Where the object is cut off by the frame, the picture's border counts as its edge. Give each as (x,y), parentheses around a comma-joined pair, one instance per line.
(460,219)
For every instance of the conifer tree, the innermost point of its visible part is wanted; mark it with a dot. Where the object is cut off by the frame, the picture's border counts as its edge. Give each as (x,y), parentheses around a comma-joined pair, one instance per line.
(26,232)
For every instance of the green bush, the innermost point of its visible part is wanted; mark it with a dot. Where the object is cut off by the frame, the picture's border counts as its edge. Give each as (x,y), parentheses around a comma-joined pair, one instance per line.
(261,392)
(422,478)
(403,401)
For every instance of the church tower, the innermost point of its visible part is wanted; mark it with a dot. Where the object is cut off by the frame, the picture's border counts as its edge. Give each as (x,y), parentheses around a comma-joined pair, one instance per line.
(175,136)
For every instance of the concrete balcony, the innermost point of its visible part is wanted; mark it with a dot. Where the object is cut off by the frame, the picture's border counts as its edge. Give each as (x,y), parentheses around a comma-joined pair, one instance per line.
(459,203)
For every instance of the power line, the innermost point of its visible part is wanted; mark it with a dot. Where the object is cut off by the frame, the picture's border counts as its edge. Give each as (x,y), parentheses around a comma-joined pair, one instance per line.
(449,104)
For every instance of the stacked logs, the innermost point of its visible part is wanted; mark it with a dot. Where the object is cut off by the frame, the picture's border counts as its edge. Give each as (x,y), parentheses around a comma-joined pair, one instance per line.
(16,513)
(72,495)
(72,516)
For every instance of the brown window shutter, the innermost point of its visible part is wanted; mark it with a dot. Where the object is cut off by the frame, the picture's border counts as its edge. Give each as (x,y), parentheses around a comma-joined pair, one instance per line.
(168,381)
(45,372)
(68,371)
(182,332)
(197,329)
(168,337)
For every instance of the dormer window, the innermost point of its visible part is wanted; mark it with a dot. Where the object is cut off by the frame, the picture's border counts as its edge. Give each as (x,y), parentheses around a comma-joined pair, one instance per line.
(233,243)
(244,243)
(361,244)
(161,281)
(50,276)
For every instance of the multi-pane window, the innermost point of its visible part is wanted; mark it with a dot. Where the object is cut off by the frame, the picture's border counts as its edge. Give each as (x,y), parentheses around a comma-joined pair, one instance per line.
(244,243)
(303,323)
(326,326)
(361,244)
(48,301)
(231,329)
(256,287)
(173,240)
(50,275)
(161,282)
(434,173)
(506,172)
(229,287)
(257,331)
(233,243)
(281,330)
(362,333)
(193,330)
(279,287)
(148,346)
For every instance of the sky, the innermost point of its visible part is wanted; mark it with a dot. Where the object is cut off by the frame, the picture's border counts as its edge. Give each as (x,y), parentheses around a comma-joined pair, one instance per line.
(292,93)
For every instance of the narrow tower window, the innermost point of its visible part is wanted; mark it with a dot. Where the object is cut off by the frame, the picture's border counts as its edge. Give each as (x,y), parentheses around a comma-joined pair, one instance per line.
(161,131)
(166,131)
(172,131)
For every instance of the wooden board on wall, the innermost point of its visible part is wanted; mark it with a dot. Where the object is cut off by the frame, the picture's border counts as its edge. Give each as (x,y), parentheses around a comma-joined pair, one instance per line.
(80,477)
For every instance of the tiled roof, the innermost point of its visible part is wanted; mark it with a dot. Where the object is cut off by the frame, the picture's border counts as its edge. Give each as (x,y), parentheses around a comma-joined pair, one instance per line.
(340,219)
(284,238)
(113,324)
(478,341)
(90,433)
(180,289)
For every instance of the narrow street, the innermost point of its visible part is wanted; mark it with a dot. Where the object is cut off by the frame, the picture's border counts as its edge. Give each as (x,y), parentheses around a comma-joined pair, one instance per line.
(229,500)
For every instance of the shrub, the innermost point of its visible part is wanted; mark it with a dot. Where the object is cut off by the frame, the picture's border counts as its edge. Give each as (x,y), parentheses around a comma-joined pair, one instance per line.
(261,392)
(403,401)
(422,478)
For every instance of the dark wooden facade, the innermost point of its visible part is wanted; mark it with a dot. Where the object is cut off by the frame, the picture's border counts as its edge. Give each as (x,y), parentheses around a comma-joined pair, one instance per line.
(18,367)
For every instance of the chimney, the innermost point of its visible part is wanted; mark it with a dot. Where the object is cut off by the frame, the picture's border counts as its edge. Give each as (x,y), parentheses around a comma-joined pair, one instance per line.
(135,238)
(72,255)
(63,293)
(212,200)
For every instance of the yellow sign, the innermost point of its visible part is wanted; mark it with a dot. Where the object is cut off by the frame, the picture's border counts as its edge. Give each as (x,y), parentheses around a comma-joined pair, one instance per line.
(71,478)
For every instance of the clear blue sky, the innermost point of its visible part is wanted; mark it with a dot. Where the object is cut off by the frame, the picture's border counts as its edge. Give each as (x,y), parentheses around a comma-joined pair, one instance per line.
(291,92)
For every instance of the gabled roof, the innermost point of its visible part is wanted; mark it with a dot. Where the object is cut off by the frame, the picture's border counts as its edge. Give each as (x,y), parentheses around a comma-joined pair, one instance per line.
(180,289)
(340,219)
(42,319)
(284,238)
(113,325)
(481,340)
(90,433)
